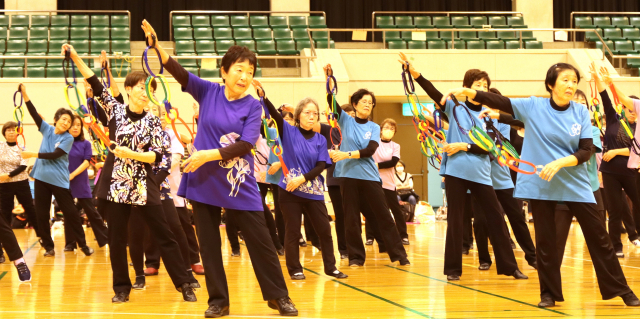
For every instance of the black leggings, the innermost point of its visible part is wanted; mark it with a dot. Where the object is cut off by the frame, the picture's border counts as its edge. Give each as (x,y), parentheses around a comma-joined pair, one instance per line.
(456,189)
(336,202)
(357,193)
(72,221)
(619,209)
(22,192)
(97,224)
(262,252)
(611,279)
(292,207)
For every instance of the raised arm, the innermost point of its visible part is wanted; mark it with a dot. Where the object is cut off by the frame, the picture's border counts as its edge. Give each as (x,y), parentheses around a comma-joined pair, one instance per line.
(425,84)
(492,100)
(270,108)
(329,71)
(32,109)
(624,99)
(104,62)
(173,67)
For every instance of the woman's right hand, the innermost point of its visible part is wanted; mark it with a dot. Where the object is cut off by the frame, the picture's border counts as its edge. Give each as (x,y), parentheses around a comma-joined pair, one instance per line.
(258,86)
(68,47)
(149,32)
(327,68)
(404,61)
(606,77)
(490,113)
(275,167)
(23,89)
(103,59)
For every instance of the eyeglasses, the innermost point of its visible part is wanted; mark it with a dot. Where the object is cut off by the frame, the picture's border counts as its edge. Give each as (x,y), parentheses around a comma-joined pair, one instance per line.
(310,114)
(366,102)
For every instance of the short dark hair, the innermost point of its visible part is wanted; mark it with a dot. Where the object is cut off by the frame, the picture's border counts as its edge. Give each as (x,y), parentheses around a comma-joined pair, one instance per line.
(475,75)
(581,93)
(634,97)
(135,77)
(285,114)
(7,126)
(356,97)
(401,162)
(554,71)
(80,137)
(60,112)
(238,54)
(495,91)
(347,108)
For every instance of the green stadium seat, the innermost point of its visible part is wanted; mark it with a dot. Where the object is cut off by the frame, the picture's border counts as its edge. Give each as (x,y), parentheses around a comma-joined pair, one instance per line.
(60,20)
(623,47)
(120,33)
(3,47)
(431,35)
(239,21)
(80,45)
(220,21)
(262,34)
(101,20)
(526,35)
(591,35)
(406,35)
(458,44)
(55,46)
(631,33)
(397,44)
(39,33)
(417,45)
(603,22)
(484,35)
(300,22)
(282,34)
(206,73)
(317,22)
(436,44)
(222,33)
(511,45)
(188,62)
(258,21)
(404,22)
(38,48)
(635,21)
(323,44)
(389,35)
(3,33)
(193,70)
(495,45)
(248,43)
(19,20)
(18,33)
(516,22)
(120,21)
(468,35)
(460,22)
(223,46)
(621,22)
(242,34)
(181,21)
(286,47)
(613,34)
(478,21)
(183,33)
(633,63)
(14,62)
(200,21)
(507,35)
(59,33)
(277,22)
(323,35)
(35,72)
(301,34)
(302,44)
(205,46)
(258,73)
(202,33)
(266,47)
(55,72)
(4,20)
(99,33)
(636,45)
(80,20)
(39,21)
(185,46)
(475,45)
(498,22)
(441,22)
(422,22)
(37,62)
(123,46)
(98,45)
(79,33)
(533,45)
(583,22)
(12,72)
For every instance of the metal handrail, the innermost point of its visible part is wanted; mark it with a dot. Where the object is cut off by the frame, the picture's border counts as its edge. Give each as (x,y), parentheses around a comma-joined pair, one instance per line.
(448,13)
(324,14)
(74,11)
(598,13)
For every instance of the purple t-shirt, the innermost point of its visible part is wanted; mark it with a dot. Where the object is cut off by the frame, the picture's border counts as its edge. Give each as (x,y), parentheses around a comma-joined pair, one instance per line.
(80,151)
(229,184)
(385,152)
(634,159)
(300,155)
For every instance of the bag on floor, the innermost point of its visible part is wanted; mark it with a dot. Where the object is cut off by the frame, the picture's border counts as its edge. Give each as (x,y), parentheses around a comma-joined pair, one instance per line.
(424,212)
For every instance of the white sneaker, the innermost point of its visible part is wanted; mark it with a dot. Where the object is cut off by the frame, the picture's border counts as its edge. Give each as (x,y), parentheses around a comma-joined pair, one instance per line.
(619,254)
(636,243)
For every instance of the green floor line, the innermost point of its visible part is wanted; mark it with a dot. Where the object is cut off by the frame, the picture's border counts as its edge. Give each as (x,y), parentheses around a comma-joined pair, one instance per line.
(26,251)
(480,291)
(2,274)
(374,296)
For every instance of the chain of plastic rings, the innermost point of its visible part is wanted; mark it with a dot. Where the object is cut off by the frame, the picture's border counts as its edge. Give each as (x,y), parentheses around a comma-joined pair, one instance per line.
(272,141)
(595,107)
(18,116)
(333,116)
(622,118)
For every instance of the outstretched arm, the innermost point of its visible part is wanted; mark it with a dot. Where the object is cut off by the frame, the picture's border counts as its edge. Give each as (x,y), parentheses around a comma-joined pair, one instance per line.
(32,109)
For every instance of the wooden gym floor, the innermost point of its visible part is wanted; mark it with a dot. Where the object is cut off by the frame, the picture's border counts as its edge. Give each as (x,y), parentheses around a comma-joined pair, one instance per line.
(74,286)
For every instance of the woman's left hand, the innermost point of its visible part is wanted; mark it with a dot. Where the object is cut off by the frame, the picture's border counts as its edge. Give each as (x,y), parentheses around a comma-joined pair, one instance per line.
(550,170)
(338,156)
(122,152)
(295,183)
(453,148)
(71,176)
(194,161)
(29,154)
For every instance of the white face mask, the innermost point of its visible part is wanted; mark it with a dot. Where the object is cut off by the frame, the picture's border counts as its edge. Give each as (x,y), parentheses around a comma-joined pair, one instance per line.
(90,172)
(400,169)
(387,134)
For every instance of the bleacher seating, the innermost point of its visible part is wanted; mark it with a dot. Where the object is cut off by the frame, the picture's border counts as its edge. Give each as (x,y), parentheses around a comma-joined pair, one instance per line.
(621,34)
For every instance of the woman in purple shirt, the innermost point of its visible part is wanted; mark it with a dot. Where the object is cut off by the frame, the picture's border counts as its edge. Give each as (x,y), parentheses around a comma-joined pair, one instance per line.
(79,158)
(220,174)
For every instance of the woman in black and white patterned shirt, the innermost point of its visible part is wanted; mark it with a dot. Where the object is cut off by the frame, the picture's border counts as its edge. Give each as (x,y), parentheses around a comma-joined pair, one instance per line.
(127,178)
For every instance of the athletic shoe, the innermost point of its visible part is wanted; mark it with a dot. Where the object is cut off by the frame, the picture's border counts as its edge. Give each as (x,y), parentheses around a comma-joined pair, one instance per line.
(302,243)
(23,272)
(453,277)
(619,254)
(338,274)
(298,276)
(369,242)
(280,251)
(484,266)
(546,301)
(235,253)
(216,311)
(404,262)
(2,258)
(87,251)
(519,275)
(344,256)
(405,241)
(197,269)
(150,271)
(284,305)
(120,297)
(630,299)
(140,283)
(187,292)
(50,253)
(69,248)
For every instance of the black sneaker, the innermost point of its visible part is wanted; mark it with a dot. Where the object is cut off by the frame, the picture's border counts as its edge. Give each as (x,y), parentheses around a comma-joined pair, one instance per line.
(2,258)
(302,243)
(546,301)
(405,262)
(280,251)
(338,274)
(25,275)
(630,299)
(187,292)
(369,242)
(235,253)
(140,283)
(284,305)
(405,241)
(50,253)
(298,276)
(216,311)
(88,251)
(344,256)
(69,248)
(120,297)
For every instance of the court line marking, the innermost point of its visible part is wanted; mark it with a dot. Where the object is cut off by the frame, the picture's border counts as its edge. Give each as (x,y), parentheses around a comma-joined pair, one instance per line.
(140,314)
(373,295)
(26,251)
(2,274)
(480,291)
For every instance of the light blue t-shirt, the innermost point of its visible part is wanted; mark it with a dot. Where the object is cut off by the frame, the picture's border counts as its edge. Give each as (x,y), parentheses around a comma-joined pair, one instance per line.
(501,175)
(552,135)
(465,165)
(592,164)
(355,137)
(275,178)
(55,171)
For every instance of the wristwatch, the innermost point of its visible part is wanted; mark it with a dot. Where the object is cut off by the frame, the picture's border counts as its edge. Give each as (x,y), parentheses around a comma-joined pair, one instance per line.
(468,147)
(349,154)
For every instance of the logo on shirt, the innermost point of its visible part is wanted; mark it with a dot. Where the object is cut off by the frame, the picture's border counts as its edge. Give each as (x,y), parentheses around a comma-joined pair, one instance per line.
(367,135)
(575,129)
(238,165)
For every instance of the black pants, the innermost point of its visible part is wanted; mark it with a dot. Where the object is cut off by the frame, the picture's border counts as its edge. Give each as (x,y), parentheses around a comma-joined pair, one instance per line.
(619,209)
(259,244)
(139,237)
(97,224)
(467,228)
(518,225)
(72,221)
(336,202)
(22,192)
(357,193)
(278,213)
(391,196)
(8,240)
(268,217)
(190,232)
(159,228)
(292,207)
(611,280)
(456,189)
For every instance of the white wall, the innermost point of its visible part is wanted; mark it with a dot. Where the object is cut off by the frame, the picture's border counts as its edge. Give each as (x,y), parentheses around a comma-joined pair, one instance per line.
(290,5)
(537,14)
(30,4)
